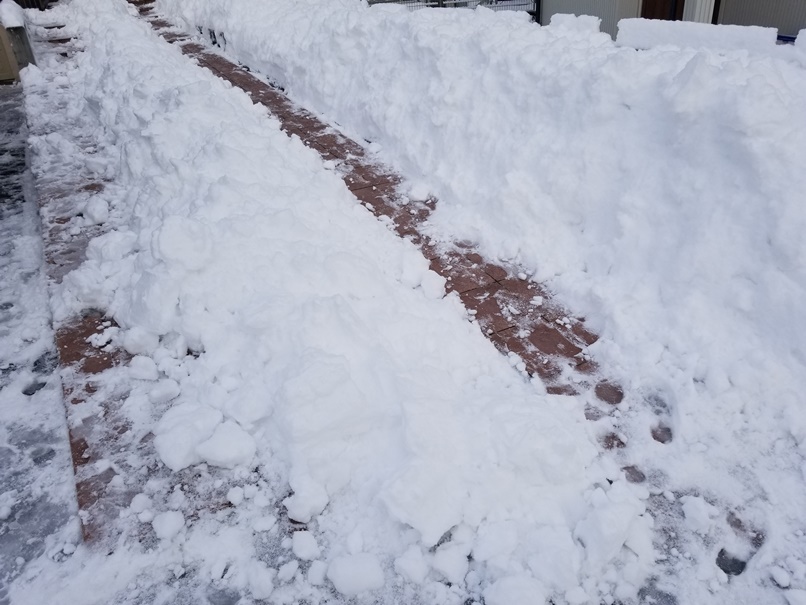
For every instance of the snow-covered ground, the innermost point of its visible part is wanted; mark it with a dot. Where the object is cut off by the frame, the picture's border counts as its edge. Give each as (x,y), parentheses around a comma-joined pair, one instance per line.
(37,496)
(659,192)
(298,367)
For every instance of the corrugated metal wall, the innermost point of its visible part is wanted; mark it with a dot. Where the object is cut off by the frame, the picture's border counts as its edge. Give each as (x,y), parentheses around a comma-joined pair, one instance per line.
(789,16)
(609,11)
(701,11)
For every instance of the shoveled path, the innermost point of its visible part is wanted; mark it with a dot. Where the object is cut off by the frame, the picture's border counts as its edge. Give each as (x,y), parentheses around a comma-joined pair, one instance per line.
(36,482)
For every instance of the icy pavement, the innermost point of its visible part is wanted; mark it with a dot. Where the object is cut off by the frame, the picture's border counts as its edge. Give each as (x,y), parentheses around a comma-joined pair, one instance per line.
(37,498)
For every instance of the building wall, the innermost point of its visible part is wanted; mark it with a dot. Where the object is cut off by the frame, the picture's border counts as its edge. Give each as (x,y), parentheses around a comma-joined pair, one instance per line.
(8,64)
(701,11)
(789,16)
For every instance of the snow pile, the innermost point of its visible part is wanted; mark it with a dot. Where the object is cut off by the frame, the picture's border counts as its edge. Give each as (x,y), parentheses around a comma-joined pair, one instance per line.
(290,345)
(660,192)
(11,14)
(653,33)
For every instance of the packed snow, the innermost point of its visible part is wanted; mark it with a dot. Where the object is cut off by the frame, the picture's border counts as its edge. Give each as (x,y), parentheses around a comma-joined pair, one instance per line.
(11,14)
(364,440)
(653,33)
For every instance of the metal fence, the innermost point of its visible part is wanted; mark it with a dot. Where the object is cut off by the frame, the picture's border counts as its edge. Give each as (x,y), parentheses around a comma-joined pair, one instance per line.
(530,6)
(40,4)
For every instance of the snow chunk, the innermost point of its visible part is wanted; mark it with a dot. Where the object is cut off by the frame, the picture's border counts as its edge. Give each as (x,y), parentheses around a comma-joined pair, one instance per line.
(609,525)
(164,391)
(317,573)
(235,495)
(143,368)
(433,285)
(309,499)
(451,561)
(354,574)
(96,211)
(140,503)
(287,571)
(780,576)
(305,546)
(581,23)
(138,341)
(228,447)
(412,565)
(11,14)
(181,430)
(515,590)
(261,579)
(651,33)
(558,559)
(166,525)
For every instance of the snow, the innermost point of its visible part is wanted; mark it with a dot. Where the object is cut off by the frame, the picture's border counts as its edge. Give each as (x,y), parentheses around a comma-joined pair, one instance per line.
(286,340)
(657,192)
(781,577)
(229,446)
(235,495)
(576,23)
(11,14)
(37,485)
(305,546)
(286,572)
(311,352)
(654,33)
(140,503)
(164,390)
(412,565)
(354,574)
(143,368)
(168,524)
(96,211)
(699,513)
(515,590)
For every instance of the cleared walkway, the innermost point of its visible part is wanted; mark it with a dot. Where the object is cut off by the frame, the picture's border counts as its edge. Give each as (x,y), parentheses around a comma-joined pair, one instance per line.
(37,497)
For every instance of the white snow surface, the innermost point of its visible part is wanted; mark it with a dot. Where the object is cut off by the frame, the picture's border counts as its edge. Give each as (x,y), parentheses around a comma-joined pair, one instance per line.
(653,33)
(659,192)
(11,14)
(304,355)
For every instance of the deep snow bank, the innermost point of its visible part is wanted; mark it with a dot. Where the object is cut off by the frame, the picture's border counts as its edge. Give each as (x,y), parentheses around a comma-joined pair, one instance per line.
(660,192)
(321,362)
